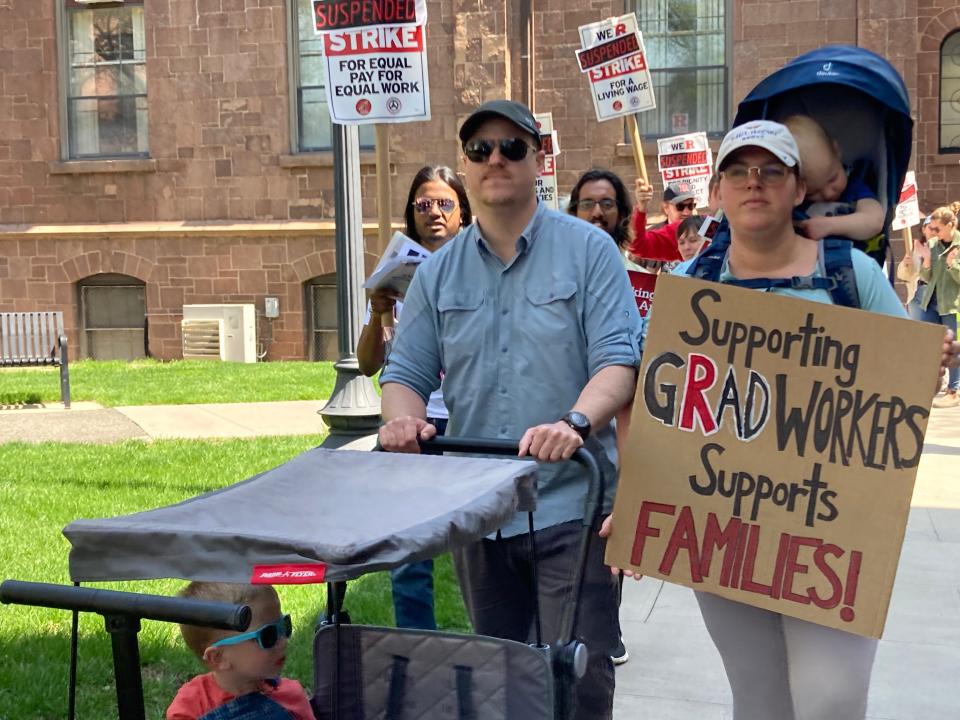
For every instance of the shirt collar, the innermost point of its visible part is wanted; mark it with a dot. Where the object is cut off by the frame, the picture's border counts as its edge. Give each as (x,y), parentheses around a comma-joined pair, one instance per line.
(527,237)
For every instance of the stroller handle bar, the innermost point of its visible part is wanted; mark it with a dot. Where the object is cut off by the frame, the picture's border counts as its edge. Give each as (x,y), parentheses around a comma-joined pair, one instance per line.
(206,613)
(511,448)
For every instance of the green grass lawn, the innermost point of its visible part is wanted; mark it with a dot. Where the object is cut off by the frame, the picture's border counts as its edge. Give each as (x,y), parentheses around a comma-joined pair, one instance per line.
(44,487)
(176,382)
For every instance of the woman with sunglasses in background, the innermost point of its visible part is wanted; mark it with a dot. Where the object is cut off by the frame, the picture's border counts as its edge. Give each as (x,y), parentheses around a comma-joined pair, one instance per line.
(437,207)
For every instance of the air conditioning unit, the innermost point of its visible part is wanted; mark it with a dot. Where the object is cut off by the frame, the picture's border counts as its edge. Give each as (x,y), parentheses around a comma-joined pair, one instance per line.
(219,332)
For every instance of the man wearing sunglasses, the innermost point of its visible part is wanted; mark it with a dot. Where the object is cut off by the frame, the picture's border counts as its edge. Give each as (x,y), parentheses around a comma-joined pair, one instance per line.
(534,321)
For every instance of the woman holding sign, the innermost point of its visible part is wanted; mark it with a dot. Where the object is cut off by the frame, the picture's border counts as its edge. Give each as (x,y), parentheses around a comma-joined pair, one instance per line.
(780,666)
(437,207)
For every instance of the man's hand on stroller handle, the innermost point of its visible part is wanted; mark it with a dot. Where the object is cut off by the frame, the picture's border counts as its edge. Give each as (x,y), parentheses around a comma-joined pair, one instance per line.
(552,442)
(403,434)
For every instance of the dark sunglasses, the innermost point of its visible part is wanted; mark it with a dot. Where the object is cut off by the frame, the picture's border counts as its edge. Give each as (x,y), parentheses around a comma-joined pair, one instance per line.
(425,205)
(266,636)
(513,149)
(687,205)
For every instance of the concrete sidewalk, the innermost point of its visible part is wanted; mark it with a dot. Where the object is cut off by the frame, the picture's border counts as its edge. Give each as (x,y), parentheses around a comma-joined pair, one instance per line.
(89,422)
(675,673)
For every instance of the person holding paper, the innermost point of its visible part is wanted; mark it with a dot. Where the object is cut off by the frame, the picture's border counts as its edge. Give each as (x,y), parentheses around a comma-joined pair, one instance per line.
(531,316)
(437,208)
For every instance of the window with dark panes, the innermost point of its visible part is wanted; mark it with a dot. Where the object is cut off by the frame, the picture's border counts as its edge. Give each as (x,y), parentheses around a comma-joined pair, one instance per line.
(107,80)
(313,117)
(114,313)
(322,318)
(686,52)
(950,94)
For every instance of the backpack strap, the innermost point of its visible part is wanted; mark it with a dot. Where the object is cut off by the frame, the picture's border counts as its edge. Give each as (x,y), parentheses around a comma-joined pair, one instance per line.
(838,277)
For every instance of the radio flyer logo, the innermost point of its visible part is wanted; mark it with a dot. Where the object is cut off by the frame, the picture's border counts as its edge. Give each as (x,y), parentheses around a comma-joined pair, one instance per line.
(393,105)
(364,106)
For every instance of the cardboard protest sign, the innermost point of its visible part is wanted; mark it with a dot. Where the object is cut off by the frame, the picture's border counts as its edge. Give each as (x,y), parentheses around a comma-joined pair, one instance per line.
(907,213)
(615,61)
(351,14)
(377,75)
(686,164)
(792,456)
(643,284)
(547,180)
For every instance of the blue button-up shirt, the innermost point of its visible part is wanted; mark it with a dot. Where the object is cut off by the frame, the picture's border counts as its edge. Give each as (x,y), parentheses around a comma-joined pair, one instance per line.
(518,341)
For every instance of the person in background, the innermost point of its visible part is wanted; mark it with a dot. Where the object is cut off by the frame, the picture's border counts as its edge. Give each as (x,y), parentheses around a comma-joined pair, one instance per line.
(938,300)
(437,208)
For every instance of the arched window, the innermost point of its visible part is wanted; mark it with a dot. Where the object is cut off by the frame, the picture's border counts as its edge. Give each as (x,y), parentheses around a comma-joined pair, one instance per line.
(950,93)
(114,314)
(322,317)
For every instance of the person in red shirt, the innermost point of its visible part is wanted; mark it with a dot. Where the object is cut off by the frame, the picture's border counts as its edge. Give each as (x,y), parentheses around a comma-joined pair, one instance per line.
(244,678)
(658,243)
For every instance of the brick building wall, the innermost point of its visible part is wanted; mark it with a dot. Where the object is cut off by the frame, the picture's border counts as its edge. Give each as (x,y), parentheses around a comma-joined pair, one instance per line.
(224,192)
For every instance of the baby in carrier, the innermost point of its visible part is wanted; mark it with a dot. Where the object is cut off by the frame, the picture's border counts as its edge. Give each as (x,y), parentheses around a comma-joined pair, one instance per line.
(836,204)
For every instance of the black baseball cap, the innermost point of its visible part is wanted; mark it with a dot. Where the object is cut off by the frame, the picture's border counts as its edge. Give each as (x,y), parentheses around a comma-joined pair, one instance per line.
(514,112)
(672,195)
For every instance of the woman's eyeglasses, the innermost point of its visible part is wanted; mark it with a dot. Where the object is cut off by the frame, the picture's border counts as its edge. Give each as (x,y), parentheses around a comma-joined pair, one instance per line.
(266,636)
(690,205)
(770,175)
(513,149)
(425,205)
(588,205)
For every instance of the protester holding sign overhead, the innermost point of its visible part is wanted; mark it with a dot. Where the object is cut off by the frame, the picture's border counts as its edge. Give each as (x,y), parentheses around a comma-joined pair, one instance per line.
(531,316)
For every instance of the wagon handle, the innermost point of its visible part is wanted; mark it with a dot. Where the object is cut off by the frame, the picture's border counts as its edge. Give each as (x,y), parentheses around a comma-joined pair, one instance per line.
(592,506)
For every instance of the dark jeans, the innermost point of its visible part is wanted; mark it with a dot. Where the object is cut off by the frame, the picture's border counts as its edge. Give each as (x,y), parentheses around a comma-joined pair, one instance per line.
(412,584)
(931,315)
(495,577)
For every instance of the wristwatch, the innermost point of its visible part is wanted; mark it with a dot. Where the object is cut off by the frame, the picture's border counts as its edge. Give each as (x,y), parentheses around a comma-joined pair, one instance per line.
(579,422)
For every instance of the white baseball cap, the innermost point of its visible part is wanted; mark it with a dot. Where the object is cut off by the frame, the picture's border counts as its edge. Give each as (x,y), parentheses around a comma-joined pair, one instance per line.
(764,134)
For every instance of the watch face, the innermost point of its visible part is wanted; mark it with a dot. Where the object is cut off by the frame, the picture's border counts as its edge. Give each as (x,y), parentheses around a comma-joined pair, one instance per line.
(578,421)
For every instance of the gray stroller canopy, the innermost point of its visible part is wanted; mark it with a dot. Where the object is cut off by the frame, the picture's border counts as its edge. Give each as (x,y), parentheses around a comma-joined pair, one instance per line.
(340,512)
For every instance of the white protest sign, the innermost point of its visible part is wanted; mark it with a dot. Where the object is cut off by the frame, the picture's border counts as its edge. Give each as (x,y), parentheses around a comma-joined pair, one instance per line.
(686,164)
(353,14)
(547,180)
(377,75)
(907,213)
(615,61)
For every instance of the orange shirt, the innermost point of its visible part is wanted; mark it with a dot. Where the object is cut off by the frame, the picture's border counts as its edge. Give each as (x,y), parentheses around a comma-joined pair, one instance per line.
(202,694)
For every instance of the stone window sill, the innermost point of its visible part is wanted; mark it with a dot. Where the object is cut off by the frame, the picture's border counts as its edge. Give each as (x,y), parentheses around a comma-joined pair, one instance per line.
(322,159)
(946,159)
(86,167)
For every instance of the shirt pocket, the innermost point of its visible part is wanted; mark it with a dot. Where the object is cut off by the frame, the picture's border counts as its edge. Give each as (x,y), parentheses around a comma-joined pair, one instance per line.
(461,326)
(551,311)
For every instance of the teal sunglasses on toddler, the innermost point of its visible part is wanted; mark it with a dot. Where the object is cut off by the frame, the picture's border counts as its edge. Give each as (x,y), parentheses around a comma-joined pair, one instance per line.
(266,636)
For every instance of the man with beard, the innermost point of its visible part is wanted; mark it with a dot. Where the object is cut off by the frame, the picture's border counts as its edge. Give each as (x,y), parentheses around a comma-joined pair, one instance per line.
(601,198)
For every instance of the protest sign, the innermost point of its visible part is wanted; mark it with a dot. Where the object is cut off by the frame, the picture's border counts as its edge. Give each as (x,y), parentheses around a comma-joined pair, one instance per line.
(615,61)
(351,14)
(643,284)
(377,75)
(547,180)
(686,164)
(792,456)
(907,213)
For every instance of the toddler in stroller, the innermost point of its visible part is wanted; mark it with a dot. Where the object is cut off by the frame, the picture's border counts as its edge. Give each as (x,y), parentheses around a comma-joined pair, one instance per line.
(244,667)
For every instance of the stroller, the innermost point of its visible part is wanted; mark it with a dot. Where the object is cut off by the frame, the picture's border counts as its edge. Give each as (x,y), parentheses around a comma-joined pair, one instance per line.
(861,101)
(353,513)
